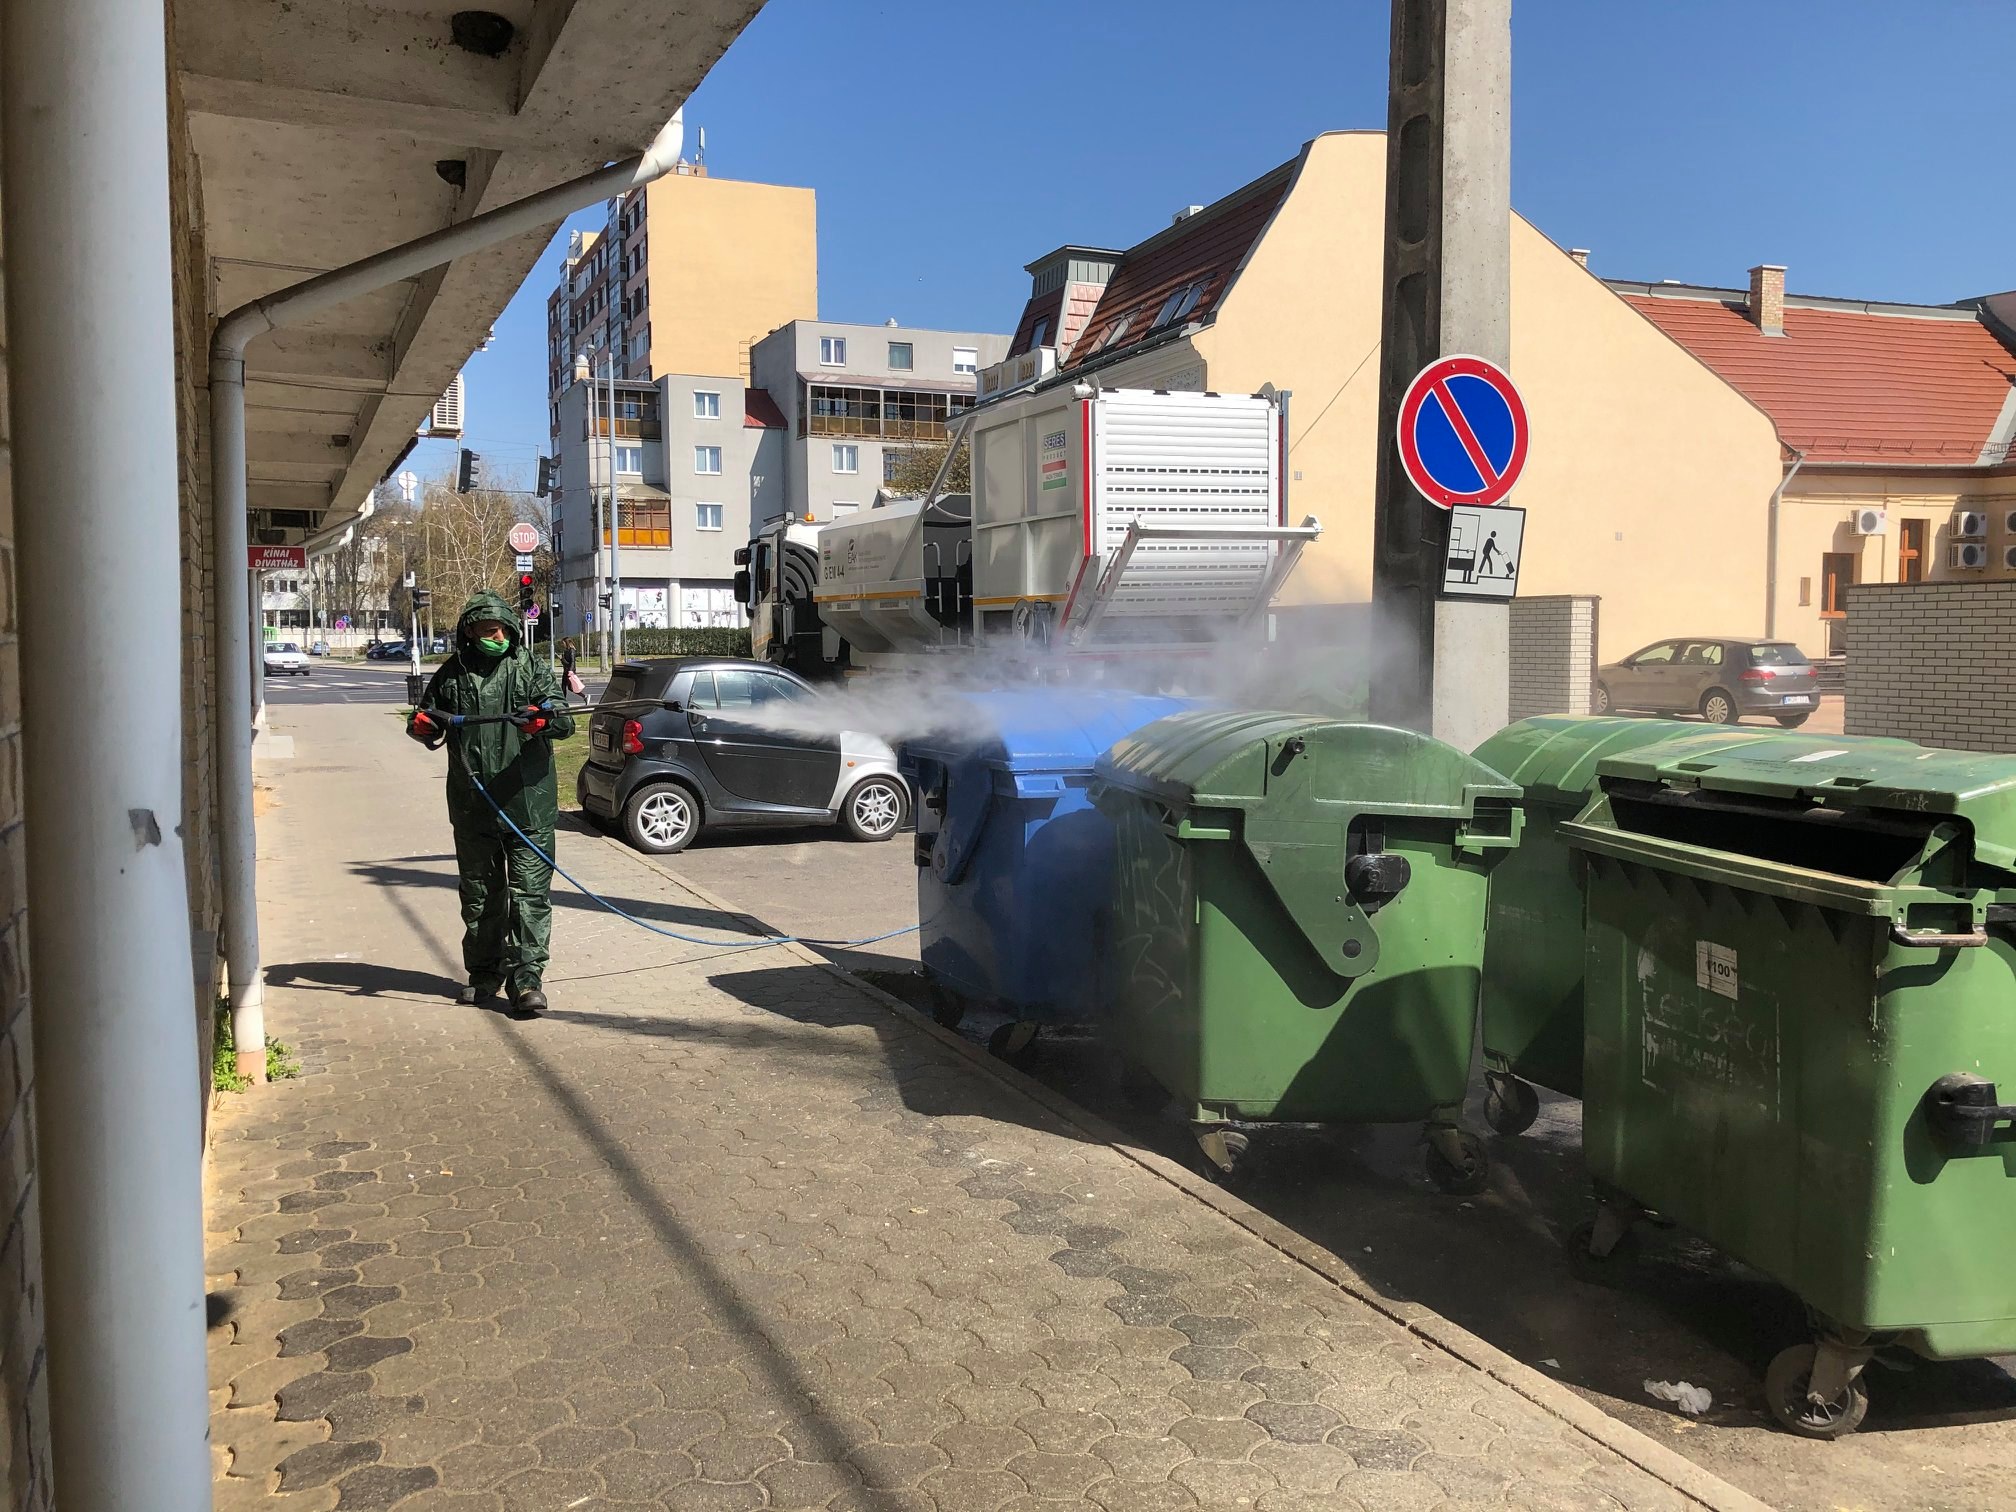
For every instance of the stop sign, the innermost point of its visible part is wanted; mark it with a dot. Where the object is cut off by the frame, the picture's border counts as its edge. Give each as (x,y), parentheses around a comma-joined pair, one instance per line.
(523,537)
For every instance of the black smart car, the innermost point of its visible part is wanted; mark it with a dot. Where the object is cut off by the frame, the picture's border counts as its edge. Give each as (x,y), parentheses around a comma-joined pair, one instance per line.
(692,743)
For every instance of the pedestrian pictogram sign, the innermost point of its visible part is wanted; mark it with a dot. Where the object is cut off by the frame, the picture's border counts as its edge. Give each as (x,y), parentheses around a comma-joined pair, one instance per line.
(1462,432)
(1484,549)
(524,537)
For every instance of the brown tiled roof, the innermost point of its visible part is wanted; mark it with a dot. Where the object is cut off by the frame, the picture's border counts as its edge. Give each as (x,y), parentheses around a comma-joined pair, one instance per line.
(1044,307)
(759,410)
(1851,386)
(1210,245)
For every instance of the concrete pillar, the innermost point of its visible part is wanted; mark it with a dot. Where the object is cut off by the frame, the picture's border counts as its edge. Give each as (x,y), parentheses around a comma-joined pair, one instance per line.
(1443,665)
(118,1110)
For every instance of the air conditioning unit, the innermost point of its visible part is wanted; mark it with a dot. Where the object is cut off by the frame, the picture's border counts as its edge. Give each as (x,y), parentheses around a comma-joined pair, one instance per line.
(1969,523)
(444,421)
(1869,522)
(2009,557)
(1969,554)
(2009,522)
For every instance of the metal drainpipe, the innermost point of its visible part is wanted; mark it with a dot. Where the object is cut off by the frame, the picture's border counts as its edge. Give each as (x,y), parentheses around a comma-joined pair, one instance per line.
(1771,544)
(117,1122)
(234,333)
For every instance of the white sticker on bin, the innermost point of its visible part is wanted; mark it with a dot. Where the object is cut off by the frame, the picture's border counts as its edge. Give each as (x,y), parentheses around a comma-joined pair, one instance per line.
(1818,756)
(1715,968)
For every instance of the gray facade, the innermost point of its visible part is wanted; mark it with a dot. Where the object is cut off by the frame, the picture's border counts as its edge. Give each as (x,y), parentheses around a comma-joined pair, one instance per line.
(847,405)
(683,524)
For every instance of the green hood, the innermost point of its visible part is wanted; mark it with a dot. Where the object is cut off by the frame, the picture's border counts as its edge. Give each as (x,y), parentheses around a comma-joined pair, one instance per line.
(484,605)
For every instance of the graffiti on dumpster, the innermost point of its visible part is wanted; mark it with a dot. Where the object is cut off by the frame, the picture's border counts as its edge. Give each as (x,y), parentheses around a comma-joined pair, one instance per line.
(1703,1038)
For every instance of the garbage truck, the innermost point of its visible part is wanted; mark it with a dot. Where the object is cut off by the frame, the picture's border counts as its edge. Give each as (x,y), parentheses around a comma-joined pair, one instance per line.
(1102,522)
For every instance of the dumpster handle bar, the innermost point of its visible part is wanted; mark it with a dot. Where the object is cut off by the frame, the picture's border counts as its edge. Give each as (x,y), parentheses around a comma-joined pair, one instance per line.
(1902,936)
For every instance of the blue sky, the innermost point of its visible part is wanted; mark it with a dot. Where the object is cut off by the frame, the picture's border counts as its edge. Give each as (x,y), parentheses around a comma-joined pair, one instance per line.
(1866,145)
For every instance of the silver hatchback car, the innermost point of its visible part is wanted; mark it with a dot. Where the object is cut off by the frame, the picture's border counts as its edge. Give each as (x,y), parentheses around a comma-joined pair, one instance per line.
(1721,680)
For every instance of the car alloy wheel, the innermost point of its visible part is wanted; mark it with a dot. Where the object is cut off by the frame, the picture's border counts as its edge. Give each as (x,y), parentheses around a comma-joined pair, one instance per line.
(1718,708)
(662,819)
(875,809)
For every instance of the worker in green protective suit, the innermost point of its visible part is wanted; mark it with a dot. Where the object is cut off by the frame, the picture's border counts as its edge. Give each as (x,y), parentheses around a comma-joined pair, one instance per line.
(507,904)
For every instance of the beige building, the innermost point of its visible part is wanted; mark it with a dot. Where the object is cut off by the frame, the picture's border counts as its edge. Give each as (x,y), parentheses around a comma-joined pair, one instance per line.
(1649,477)
(687,275)
(1896,422)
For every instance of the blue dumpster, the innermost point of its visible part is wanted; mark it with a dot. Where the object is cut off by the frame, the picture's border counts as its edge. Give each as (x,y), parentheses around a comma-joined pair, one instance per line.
(1014,865)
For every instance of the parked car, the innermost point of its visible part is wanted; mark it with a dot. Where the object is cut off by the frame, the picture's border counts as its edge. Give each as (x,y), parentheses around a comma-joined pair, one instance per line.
(318,648)
(438,646)
(685,744)
(386,650)
(1721,680)
(285,659)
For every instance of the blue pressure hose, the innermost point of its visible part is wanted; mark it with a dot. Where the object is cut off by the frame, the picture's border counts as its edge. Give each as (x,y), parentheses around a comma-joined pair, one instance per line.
(762,942)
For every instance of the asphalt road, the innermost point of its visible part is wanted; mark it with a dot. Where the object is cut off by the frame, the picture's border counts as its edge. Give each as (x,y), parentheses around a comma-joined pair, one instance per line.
(1937,1437)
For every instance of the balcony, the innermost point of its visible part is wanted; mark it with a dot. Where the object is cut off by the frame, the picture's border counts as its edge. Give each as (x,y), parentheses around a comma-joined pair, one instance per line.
(873,428)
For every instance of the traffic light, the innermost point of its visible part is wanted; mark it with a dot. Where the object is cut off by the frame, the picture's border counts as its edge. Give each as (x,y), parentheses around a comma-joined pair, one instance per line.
(549,476)
(465,473)
(422,597)
(528,592)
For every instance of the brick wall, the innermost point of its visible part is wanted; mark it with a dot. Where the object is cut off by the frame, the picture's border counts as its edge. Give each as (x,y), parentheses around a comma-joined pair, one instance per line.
(199,685)
(1553,642)
(24,1392)
(1933,662)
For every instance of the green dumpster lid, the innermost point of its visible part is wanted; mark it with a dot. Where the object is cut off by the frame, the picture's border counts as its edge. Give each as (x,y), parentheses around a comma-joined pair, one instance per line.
(1218,759)
(1844,771)
(1555,755)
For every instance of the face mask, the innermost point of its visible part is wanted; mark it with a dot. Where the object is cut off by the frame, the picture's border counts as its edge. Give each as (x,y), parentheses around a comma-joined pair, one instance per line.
(495,647)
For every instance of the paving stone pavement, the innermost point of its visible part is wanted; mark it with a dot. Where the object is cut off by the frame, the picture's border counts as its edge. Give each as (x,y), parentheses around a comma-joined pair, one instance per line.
(721,1233)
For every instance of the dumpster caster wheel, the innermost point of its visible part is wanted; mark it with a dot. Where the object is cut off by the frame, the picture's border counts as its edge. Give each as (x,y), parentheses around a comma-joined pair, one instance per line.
(1457,1162)
(1223,1148)
(1510,1105)
(1786,1391)
(947,1007)
(1011,1041)
(1595,1244)
(1141,1091)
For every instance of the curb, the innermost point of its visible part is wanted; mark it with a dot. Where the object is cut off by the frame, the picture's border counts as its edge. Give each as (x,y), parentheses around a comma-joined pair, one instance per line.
(1701,1486)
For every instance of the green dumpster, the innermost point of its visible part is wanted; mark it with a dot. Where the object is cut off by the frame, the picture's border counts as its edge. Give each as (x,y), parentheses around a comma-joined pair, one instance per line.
(1532,996)
(1801,1001)
(1299,922)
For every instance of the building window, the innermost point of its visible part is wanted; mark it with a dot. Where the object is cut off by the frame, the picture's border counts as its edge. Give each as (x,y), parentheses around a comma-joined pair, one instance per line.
(892,459)
(1040,335)
(706,405)
(707,516)
(833,351)
(902,356)
(1911,551)
(630,459)
(1837,572)
(846,459)
(965,359)
(707,459)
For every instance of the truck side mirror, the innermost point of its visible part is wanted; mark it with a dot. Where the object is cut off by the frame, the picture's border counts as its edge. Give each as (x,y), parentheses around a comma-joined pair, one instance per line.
(742,587)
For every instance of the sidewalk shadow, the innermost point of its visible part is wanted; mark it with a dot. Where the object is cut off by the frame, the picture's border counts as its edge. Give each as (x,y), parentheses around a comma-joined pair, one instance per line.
(360,979)
(399,874)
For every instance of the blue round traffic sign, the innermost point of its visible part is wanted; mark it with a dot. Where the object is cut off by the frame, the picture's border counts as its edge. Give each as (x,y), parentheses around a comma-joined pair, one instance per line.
(1463,432)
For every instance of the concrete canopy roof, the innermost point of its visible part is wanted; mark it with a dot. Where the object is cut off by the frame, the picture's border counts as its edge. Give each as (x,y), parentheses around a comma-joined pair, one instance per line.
(328,131)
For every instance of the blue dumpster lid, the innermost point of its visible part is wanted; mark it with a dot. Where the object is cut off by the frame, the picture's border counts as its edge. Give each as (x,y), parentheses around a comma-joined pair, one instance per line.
(1043,729)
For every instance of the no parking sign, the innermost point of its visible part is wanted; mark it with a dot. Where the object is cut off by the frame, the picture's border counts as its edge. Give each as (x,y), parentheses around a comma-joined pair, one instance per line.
(1462,432)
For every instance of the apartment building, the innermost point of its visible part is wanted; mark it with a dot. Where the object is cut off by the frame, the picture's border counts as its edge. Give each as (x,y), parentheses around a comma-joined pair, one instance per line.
(685,276)
(691,456)
(851,398)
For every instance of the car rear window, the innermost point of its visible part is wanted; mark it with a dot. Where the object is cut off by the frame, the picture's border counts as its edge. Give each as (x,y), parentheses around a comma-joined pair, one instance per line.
(639,680)
(1777,655)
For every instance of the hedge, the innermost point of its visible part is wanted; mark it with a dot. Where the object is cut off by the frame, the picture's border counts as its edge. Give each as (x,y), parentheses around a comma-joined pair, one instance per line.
(713,640)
